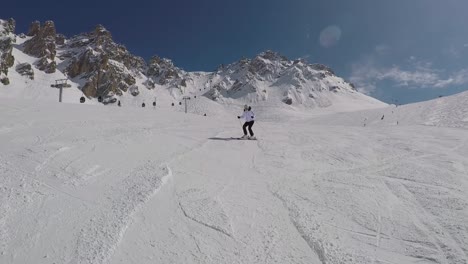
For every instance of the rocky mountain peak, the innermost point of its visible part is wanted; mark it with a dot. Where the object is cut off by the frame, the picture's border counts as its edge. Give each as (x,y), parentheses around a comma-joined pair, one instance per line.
(106,67)
(34,28)
(272,56)
(268,65)
(8,26)
(163,62)
(102,35)
(101,30)
(48,30)
(321,67)
(163,71)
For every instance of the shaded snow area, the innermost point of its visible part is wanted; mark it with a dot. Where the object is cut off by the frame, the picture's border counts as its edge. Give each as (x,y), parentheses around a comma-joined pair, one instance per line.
(94,184)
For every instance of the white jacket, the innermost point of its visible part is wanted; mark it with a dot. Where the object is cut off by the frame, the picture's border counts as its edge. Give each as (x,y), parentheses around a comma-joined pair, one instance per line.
(248,116)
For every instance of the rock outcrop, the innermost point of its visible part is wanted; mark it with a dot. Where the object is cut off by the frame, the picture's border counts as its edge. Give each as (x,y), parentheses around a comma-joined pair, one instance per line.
(42,45)
(7,38)
(60,39)
(25,69)
(162,70)
(34,29)
(107,68)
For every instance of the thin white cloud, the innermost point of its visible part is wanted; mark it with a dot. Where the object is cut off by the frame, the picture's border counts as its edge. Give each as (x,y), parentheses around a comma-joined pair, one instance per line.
(457,51)
(458,78)
(419,78)
(382,49)
(367,74)
(454,52)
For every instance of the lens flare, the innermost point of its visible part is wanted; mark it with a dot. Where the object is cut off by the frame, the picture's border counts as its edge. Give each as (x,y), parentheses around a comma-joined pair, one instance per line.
(330,36)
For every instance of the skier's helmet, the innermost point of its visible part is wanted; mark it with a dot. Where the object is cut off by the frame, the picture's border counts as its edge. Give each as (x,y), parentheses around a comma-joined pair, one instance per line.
(246,107)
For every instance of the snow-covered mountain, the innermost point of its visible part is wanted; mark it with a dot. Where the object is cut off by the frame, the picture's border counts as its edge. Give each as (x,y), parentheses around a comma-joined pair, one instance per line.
(96,66)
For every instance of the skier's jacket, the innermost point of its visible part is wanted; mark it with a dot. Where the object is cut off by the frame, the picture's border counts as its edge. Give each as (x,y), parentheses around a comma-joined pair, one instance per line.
(248,116)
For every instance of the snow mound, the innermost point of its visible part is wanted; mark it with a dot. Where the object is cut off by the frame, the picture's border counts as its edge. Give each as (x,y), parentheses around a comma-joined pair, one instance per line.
(450,111)
(101,234)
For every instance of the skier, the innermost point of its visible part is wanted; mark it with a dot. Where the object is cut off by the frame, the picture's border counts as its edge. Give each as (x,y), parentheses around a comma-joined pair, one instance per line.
(249,117)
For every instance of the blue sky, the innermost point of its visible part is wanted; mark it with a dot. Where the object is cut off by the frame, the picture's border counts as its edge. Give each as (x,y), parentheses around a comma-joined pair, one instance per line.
(394,50)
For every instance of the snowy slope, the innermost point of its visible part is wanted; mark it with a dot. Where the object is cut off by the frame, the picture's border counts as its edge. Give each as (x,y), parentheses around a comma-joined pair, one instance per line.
(95,184)
(450,111)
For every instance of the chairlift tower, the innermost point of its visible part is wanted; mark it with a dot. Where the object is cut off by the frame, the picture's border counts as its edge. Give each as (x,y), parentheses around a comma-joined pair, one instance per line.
(185,98)
(60,84)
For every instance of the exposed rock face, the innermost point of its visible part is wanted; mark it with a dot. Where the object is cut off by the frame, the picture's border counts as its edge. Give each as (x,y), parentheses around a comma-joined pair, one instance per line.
(7,38)
(149,84)
(34,29)
(134,90)
(162,70)
(25,69)
(42,45)
(321,67)
(287,100)
(60,39)
(108,68)
(262,65)
(46,65)
(5,80)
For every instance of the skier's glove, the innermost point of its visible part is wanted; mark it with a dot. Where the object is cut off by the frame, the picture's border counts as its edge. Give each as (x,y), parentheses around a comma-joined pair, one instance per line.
(238,117)
(252,117)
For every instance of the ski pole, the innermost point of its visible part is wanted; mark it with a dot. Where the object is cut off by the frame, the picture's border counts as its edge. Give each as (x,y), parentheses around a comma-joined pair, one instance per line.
(240,122)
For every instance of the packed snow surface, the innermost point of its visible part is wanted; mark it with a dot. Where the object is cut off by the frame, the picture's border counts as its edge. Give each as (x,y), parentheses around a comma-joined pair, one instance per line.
(102,184)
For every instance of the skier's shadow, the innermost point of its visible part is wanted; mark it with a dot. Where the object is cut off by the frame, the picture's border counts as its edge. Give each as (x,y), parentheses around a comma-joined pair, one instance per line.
(223,138)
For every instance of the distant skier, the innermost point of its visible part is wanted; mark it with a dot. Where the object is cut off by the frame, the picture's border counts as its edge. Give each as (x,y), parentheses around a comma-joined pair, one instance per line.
(249,117)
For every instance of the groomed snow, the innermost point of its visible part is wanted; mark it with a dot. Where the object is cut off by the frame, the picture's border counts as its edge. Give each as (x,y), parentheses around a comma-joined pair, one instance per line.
(97,184)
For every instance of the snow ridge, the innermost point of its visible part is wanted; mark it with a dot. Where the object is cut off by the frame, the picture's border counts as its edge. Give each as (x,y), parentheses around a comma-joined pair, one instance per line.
(199,207)
(101,235)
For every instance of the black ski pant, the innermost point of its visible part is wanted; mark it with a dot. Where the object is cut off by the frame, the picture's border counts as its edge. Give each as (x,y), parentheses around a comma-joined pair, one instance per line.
(248,125)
